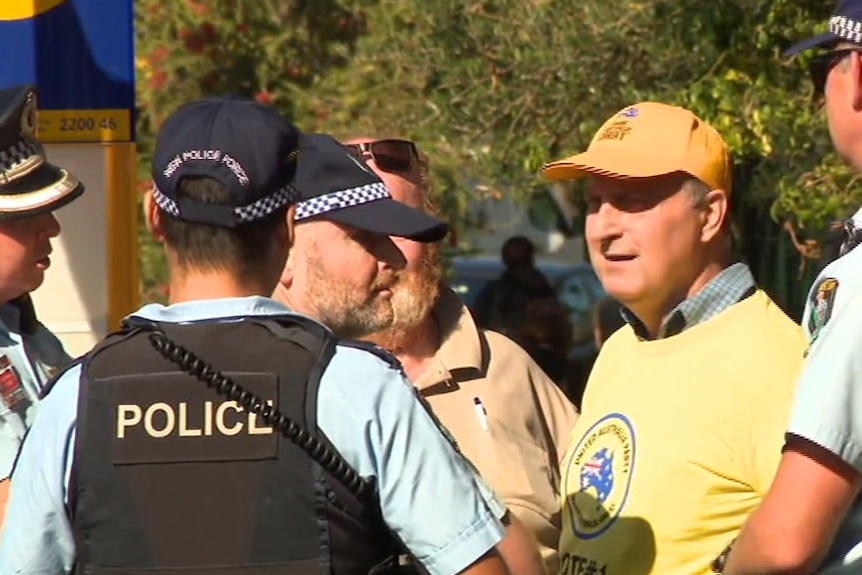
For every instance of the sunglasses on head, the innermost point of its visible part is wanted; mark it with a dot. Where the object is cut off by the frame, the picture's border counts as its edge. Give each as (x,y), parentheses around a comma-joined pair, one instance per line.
(820,66)
(389,155)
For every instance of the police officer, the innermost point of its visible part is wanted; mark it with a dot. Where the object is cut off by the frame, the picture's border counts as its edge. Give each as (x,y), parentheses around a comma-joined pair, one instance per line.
(160,451)
(30,190)
(798,527)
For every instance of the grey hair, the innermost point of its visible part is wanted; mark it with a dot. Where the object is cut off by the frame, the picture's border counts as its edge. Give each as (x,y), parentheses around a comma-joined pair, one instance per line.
(697,190)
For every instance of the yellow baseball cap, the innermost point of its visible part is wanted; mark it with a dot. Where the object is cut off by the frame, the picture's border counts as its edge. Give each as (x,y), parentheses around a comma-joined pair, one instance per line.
(647,140)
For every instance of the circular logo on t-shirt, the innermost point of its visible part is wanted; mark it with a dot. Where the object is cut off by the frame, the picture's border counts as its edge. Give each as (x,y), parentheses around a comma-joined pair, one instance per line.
(598,475)
(24,9)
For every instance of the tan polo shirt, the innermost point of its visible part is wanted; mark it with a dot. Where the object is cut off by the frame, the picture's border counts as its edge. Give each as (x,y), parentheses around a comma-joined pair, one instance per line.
(518,445)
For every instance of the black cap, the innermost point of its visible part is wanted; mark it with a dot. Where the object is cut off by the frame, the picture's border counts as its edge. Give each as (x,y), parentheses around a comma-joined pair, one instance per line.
(29,185)
(845,25)
(245,145)
(334,185)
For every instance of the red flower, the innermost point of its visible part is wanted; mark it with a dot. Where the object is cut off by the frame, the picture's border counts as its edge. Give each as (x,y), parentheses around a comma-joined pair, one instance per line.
(264,97)
(158,80)
(158,55)
(199,8)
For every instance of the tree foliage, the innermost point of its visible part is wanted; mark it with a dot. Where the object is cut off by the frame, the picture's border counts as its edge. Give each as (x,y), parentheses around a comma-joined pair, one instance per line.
(511,84)
(492,89)
(272,50)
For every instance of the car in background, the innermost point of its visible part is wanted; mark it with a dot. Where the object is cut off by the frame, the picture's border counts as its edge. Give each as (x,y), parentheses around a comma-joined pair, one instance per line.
(577,286)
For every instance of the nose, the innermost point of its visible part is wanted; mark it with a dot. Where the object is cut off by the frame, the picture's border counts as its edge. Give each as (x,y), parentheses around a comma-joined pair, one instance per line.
(49,226)
(389,255)
(607,222)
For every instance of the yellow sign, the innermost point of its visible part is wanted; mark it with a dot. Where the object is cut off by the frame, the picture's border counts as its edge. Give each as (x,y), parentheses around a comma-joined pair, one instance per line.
(24,9)
(57,126)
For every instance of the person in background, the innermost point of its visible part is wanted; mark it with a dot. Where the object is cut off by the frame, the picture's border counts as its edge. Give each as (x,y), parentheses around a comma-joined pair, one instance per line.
(502,304)
(31,189)
(607,319)
(547,336)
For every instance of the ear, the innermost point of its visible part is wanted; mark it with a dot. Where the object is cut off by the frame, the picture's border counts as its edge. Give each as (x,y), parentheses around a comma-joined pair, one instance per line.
(855,70)
(152,215)
(291,224)
(287,272)
(715,213)
(285,280)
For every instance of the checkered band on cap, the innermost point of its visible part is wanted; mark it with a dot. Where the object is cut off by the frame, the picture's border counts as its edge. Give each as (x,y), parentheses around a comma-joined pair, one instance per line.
(165,203)
(250,213)
(846,28)
(11,157)
(341,199)
(265,206)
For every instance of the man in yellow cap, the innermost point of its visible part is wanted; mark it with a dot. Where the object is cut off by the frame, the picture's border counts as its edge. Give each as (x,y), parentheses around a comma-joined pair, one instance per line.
(685,410)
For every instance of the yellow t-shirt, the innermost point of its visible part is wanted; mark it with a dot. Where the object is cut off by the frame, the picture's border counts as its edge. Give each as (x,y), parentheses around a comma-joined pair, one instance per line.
(677,442)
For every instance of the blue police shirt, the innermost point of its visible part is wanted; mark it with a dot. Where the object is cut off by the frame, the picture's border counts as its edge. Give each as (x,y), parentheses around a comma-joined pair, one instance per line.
(26,364)
(429,495)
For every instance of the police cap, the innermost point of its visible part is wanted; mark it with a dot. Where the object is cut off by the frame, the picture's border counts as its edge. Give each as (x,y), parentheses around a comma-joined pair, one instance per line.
(335,185)
(29,184)
(246,146)
(845,25)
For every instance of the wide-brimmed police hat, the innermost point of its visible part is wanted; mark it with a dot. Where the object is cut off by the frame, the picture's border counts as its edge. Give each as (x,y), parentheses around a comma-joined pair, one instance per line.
(29,184)
(845,25)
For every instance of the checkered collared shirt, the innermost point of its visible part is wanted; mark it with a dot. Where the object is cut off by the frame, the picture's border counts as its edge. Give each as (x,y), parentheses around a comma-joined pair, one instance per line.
(722,291)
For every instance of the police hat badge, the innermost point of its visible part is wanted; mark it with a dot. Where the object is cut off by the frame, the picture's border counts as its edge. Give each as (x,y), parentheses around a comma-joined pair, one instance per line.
(29,184)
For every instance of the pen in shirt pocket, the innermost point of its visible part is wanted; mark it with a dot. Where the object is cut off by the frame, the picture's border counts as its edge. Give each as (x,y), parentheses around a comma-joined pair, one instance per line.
(481,413)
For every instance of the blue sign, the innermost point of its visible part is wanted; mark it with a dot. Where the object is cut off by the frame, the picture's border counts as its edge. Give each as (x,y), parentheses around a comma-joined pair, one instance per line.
(80,55)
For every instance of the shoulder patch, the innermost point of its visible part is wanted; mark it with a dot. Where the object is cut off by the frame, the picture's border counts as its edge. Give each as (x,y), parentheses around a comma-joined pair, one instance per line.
(373,349)
(822,301)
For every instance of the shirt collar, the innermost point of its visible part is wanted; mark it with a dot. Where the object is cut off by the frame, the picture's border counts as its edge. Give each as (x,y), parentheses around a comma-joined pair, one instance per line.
(460,349)
(10,317)
(219,309)
(721,292)
(10,325)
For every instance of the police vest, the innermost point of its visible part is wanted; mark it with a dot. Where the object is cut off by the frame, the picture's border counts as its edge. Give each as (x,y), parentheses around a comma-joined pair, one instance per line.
(171,477)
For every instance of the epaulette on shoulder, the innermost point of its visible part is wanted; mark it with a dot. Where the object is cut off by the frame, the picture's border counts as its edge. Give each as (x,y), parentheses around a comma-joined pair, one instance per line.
(56,375)
(374,349)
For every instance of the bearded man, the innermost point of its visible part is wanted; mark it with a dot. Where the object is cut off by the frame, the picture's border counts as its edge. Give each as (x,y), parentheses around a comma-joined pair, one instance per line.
(346,269)
(506,415)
